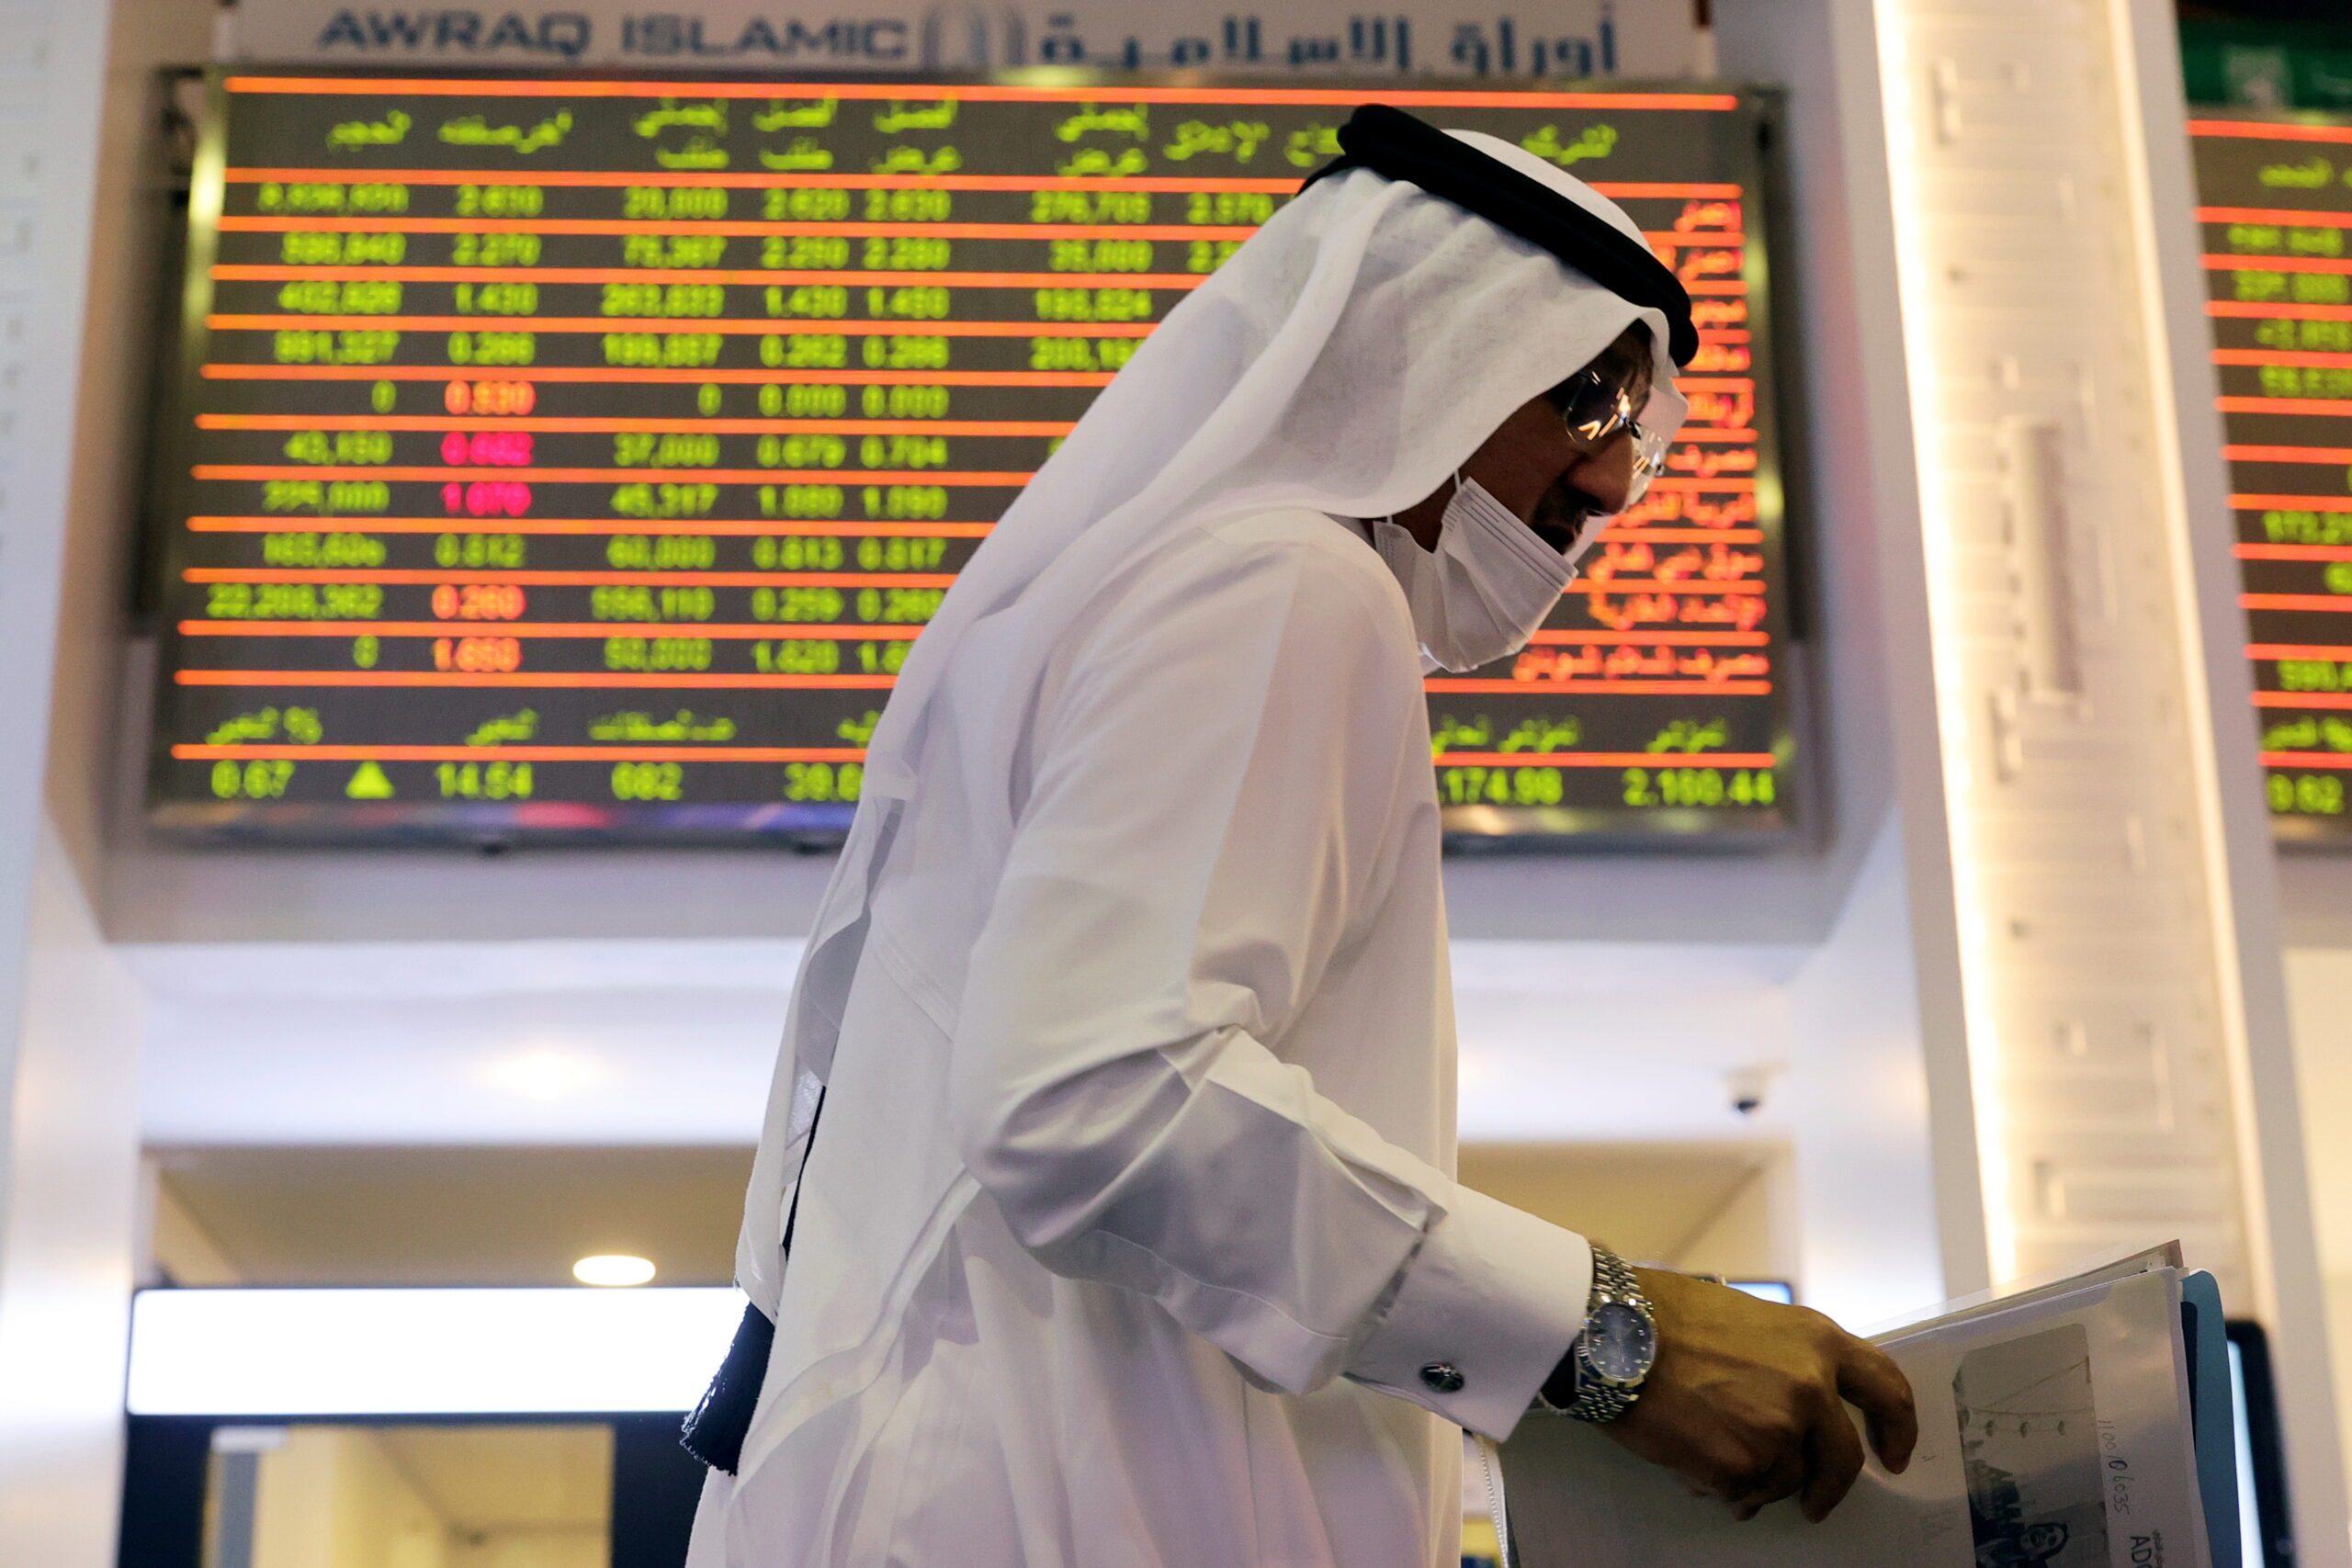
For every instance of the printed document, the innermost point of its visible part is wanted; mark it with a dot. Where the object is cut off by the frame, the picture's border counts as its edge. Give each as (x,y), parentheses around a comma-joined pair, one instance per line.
(2054,1433)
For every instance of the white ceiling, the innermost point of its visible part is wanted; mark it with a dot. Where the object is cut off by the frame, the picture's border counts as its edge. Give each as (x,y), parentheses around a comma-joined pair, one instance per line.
(670,1043)
(474,1113)
(493,1479)
(420,1215)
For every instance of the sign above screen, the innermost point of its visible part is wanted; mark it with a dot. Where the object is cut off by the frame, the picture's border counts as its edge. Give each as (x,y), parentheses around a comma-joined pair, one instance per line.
(1423,37)
(566,458)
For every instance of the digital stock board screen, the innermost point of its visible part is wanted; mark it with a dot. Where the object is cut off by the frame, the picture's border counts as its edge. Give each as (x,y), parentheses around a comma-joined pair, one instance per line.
(576,457)
(2277,213)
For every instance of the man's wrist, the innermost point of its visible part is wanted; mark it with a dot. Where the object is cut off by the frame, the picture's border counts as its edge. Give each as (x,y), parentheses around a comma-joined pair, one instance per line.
(1599,1383)
(1559,1390)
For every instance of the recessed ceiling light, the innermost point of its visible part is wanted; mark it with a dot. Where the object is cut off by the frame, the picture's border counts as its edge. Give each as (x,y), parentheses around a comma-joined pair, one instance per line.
(544,1074)
(612,1268)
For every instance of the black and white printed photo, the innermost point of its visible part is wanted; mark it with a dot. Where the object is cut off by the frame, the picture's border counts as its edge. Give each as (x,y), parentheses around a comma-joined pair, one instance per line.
(2029,1437)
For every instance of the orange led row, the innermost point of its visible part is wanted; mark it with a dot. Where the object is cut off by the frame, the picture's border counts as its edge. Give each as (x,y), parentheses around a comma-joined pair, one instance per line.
(204,752)
(599,678)
(721,325)
(592,425)
(217,629)
(575,179)
(727,526)
(621,375)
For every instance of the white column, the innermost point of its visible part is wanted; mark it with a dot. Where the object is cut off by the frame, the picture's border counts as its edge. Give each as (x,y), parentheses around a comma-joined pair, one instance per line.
(68,1133)
(2120,980)
(1878,1088)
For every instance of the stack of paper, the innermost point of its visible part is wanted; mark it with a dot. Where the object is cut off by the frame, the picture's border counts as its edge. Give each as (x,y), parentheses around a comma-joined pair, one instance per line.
(2055,1431)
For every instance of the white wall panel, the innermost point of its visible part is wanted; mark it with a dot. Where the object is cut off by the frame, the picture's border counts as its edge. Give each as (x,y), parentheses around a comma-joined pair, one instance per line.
(2111,882)
(2047,526)
(67,1129)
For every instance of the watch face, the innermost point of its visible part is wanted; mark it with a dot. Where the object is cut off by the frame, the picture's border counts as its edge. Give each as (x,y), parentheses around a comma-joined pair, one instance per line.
(1619,1344)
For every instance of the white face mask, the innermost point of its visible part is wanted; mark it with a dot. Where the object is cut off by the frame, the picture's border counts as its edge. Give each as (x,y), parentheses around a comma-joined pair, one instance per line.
(1485,590)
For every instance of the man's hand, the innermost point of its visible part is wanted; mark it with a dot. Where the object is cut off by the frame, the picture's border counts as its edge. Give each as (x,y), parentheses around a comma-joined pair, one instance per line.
(1747,1399)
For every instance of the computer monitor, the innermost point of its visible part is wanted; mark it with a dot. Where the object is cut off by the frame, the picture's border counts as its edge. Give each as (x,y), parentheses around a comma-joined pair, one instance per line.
(2264,1524)
(1778,1290)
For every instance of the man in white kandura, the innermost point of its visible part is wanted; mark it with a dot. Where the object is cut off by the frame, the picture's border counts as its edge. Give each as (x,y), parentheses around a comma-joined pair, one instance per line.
(1112,1139)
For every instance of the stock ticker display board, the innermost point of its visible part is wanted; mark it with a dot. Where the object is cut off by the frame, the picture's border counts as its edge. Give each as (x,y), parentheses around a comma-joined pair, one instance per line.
(563,457)
(2277,212)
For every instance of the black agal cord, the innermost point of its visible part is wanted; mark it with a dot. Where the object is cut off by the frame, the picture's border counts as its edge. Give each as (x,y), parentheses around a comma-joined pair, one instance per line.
(1396,146)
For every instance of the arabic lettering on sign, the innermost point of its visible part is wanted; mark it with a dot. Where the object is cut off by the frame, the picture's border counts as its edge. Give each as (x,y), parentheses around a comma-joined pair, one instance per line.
(643,728)
(1620,662)
(476,130)
(1099,161)
(1239,139)
(506,729)
(1134,121)
(353,134)
(1572,38)
(1532,737)
(710,117)
(1311,144)
(804,155)
(899,118)
(295,724)
(812,114)
(1692,736)
(909,159)
(1593,142)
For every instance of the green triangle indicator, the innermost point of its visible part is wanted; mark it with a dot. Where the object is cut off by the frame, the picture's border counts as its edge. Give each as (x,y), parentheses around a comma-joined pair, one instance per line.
(369,784)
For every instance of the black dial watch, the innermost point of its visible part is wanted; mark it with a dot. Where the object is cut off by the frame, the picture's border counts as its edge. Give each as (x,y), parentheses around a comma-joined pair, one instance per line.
(1612,1358)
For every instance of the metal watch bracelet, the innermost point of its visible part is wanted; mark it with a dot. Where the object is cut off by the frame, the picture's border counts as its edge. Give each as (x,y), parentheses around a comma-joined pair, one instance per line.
(1597,1403)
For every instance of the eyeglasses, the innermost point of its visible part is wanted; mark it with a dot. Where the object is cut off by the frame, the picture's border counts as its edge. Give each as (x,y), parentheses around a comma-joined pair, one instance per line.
(1596,406)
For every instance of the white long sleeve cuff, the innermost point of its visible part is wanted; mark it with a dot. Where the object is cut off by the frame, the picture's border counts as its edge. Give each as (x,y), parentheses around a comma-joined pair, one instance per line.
(1482,1316)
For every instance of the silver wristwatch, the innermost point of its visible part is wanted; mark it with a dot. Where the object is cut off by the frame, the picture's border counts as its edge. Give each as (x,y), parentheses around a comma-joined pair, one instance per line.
(1614,1355)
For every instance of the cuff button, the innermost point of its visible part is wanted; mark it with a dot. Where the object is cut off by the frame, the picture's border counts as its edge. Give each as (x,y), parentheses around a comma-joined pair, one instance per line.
(1443,1377)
